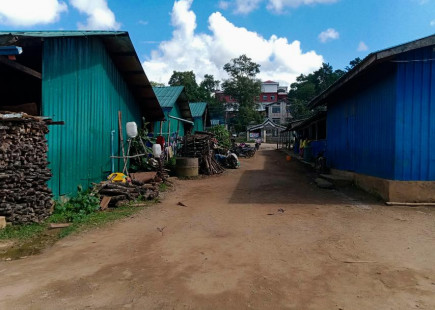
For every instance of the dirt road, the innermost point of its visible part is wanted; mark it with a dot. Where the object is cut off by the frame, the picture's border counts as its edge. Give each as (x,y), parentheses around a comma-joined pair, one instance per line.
(230,248)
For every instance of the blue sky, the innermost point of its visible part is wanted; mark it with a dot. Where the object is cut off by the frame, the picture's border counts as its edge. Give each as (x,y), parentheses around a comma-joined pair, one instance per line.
(190,35)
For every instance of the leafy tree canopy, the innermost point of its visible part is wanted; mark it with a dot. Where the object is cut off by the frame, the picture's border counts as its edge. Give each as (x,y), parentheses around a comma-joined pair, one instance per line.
(188,80)
(243,86)
(307,87)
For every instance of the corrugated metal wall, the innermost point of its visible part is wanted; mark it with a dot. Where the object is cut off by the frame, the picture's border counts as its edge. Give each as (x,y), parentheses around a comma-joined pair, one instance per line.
(198,124)
(175,111)
(415,126)
(360,129)
(82,87)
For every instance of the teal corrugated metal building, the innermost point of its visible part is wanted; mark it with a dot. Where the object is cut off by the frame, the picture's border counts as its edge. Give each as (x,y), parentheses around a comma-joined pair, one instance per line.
(174,103)
(87,77)
(199,114)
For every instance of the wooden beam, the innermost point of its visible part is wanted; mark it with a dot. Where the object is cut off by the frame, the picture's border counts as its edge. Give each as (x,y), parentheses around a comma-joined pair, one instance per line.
(20,67)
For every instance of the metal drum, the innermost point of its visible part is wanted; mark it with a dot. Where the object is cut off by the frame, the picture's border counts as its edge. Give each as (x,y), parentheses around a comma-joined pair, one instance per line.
(186,167)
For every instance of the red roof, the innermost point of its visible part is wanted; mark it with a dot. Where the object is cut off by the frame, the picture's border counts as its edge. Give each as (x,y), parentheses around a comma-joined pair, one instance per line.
(270,82)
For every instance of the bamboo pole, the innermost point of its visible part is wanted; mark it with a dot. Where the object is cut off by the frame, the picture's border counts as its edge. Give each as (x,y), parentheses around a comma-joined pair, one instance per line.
(121,136)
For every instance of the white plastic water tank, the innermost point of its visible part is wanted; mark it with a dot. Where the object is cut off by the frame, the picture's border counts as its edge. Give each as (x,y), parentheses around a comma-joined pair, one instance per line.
(157,150)
(131,129)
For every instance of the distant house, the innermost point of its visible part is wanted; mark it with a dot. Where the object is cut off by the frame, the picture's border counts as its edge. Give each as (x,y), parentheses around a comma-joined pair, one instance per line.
(178,118)
(268,131)
(271,93)
(279,112)
(200,115)
(83,78)
(381,122)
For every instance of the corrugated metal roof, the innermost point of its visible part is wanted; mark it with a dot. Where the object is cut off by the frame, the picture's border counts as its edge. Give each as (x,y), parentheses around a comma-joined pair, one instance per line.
(368,62)
(123,55)
(168,95)
(61,33)
(197,108)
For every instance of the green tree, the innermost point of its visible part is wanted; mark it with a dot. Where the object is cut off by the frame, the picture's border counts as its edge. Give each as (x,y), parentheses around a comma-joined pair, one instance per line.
(206,91)
(307,87)
(188,80)
(156,84)
(353,64)
(243,87)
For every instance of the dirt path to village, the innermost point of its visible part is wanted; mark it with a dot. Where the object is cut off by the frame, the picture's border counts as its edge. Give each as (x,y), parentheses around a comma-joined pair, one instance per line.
(230,248)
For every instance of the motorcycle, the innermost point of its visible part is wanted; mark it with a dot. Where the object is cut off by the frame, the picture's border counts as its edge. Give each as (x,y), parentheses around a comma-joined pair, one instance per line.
(243,150)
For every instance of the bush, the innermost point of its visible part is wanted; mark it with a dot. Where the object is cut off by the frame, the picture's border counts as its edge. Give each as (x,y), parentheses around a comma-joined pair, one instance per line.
(222,135)
(77,208)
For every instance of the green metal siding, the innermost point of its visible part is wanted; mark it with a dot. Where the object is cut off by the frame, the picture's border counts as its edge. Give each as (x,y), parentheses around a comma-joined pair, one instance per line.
(175,111)
(199,124)
(82,87)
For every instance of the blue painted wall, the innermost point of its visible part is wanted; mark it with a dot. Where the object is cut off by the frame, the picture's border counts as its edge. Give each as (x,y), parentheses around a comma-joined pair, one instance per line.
(387,128)
(360,129)
(415,117)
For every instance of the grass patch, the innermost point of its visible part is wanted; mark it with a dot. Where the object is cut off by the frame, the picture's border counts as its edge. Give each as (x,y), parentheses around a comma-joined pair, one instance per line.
(22,232)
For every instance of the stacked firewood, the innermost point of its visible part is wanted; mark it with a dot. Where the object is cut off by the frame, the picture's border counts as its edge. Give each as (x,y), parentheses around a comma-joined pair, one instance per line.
(143,185)
(201,145)
(24,195)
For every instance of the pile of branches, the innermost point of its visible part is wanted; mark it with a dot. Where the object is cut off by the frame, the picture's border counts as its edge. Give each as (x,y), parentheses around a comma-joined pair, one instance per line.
(140,187)
(201,145)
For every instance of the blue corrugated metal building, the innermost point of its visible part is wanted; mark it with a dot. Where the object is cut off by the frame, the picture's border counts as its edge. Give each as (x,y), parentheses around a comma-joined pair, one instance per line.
(86,77)
(381,114)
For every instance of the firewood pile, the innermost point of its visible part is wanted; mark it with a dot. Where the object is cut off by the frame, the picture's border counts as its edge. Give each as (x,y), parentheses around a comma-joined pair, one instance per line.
(24,195)
(144,185)
(201,146)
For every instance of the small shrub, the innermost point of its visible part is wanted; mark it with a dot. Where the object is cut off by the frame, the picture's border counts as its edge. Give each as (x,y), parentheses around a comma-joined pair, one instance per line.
(76,208)
(222,135)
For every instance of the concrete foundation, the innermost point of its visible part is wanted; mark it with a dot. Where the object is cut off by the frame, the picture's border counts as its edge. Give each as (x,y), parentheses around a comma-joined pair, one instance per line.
(391,190)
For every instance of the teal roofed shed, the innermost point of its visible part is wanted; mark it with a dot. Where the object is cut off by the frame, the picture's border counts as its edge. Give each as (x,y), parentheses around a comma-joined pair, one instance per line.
(175,105)
(200,115)
(82,78)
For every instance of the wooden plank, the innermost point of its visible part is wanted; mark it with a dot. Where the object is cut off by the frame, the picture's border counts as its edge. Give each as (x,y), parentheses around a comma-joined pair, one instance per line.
(105,202)
(59,225)
(17,66)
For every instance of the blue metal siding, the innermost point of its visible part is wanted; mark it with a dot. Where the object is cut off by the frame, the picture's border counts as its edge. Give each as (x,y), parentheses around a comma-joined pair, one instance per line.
(82,87)
(198,124)
(360,130)
(415,115)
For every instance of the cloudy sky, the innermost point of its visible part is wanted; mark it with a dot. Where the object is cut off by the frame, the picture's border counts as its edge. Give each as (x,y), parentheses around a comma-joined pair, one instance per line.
(286,37)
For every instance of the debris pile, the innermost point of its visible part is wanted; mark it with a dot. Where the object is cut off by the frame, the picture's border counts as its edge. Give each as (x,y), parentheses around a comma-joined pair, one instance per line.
(24,195)
(143,185)
(201,145)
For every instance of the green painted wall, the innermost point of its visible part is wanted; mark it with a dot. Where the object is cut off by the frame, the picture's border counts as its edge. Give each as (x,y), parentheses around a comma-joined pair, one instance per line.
(82,87)
(199,124)
(175,111)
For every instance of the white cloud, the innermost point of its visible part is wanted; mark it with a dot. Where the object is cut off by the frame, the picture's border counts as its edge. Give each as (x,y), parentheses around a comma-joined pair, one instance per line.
(100,17)
(143,22)
(432,23)
(224,5)
(246,6)
(30,12)
(278,5)
(329,35)
(187,50)
(362,47)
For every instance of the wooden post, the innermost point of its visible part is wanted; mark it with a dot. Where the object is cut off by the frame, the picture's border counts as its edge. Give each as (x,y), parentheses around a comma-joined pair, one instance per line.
(169,129)
(121,137)
(161,127)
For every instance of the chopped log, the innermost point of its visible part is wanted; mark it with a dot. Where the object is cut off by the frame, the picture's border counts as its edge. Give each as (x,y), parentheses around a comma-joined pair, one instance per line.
(59,225)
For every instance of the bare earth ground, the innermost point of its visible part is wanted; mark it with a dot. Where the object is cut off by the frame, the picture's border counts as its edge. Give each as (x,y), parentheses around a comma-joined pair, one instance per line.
(328,250)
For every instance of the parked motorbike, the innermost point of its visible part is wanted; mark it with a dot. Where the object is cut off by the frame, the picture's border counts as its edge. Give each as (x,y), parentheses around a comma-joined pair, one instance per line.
(243,150)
